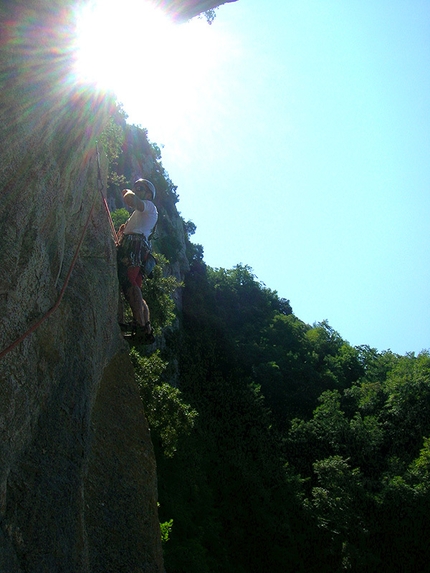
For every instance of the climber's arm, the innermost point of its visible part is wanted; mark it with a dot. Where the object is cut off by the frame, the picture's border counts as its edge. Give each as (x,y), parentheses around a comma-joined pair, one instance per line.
(132,200)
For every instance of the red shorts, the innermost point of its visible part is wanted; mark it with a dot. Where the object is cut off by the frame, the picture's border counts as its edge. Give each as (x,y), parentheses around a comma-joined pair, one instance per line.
(134,275)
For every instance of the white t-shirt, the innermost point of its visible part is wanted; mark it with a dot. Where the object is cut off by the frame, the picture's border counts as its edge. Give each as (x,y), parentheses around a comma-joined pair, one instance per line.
(142,222)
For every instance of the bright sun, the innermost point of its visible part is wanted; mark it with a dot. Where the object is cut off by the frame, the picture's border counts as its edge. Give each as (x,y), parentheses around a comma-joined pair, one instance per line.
(158,70)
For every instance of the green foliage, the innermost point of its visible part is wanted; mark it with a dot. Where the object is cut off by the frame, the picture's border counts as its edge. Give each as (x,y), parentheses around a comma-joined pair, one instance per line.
(166,528)
(111,140)
(158,292)
(222,363)
(418,473)
(337,500)
(339,505)
(169,244)
(169,417)
(210,16)
(194,252)
(380,431)
(119,217)
(190,228)
(407,407)
(244,305)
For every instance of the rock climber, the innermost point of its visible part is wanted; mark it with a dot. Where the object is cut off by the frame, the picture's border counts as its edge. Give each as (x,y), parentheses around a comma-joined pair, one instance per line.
(133,251)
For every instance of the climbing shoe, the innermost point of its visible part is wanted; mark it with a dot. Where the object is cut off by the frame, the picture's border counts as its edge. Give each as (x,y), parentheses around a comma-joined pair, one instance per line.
(144,334)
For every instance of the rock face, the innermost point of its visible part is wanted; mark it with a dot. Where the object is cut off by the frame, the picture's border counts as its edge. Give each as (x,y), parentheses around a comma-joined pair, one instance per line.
(77,470)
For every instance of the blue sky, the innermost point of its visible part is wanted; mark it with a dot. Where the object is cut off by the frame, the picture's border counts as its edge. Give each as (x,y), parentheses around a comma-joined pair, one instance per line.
(302,149)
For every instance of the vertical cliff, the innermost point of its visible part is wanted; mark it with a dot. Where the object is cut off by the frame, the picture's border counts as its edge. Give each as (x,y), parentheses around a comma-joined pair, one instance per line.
(77,470)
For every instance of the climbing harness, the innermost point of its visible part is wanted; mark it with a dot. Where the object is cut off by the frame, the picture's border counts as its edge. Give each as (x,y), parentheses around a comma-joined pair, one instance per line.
(134,250)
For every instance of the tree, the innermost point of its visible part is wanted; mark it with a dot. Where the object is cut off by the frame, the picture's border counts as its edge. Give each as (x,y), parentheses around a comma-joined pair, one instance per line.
(119,217)
(339,504)
(169,416)
(407,409)
(111,140)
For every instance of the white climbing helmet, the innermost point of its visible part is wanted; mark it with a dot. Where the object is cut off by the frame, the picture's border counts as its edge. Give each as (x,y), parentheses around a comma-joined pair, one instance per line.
(144,185)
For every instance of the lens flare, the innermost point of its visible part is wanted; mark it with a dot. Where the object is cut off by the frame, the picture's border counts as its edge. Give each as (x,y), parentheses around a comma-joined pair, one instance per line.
(161,72)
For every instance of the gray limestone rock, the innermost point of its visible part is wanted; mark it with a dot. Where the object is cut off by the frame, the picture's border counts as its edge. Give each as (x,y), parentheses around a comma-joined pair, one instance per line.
(77,469)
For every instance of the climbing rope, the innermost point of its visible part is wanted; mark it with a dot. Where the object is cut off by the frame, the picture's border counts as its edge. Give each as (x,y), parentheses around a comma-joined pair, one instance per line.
(100,186)
(66,281)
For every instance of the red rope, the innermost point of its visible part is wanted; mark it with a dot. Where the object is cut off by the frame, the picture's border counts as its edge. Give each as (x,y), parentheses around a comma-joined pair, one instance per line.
(100,183)
(66,281)
(60,296)
(112,226)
